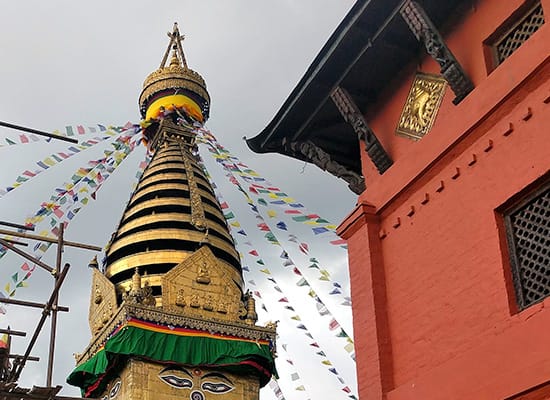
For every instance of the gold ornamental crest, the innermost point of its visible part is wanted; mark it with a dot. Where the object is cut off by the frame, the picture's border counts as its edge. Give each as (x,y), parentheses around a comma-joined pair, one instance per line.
(421,106)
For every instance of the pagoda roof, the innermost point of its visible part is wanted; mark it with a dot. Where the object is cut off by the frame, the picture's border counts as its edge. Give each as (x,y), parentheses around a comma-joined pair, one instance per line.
(367,51)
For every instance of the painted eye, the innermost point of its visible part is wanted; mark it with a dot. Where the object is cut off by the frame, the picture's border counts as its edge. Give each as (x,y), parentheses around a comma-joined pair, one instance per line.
(115,389)
(216,387)
(176,381)
(197,396)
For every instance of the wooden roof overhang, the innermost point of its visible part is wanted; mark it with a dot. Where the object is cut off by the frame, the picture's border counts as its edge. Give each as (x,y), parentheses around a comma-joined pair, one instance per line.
(367,51)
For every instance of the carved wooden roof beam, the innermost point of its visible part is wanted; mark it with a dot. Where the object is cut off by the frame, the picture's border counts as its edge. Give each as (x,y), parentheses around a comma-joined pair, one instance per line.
(425,31)
(351,114)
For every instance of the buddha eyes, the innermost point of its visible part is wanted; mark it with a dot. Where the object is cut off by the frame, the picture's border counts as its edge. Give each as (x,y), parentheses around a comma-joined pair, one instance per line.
(115,389)
(216,387)
(213,382)
(177,382)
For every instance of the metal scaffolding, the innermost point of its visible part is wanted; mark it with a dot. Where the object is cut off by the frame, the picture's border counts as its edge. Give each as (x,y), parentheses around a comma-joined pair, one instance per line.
(11,365)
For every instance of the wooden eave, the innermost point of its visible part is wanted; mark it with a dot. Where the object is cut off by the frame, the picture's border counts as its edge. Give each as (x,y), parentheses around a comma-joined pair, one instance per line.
(366,53)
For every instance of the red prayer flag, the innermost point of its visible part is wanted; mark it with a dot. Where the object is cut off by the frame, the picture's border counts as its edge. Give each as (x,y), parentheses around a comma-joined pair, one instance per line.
(283,300)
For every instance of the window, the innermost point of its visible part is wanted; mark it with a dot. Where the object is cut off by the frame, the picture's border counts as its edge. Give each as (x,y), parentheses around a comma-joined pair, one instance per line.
(528,235)
(514,32)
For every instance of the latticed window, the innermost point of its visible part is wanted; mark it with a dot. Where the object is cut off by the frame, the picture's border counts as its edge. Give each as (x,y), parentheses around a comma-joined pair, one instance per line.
(528,231)
(527,24)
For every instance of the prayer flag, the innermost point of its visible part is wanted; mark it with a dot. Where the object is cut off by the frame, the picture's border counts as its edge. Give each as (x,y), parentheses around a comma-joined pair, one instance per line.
(302,282)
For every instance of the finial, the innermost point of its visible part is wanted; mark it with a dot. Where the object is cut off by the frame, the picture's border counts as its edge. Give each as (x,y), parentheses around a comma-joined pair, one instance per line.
(93,263)
(175,44)
(136,281)
(174,62)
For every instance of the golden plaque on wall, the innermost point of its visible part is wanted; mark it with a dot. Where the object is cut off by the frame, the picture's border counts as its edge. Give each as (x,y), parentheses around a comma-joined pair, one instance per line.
(421,106)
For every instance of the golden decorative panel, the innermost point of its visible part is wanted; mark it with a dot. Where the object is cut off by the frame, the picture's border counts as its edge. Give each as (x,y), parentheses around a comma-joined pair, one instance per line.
(145,380)
(202,287)
(421,106)
(103,303)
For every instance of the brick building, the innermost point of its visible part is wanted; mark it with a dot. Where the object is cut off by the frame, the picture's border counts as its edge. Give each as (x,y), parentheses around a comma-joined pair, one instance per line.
(436,113)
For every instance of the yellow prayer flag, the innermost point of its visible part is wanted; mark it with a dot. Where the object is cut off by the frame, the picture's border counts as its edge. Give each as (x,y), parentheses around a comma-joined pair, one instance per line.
(49,161)
(271,213)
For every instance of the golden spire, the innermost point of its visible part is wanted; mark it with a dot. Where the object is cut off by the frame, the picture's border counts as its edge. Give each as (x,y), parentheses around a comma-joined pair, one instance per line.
(175,44)
(174,79)
(174,231)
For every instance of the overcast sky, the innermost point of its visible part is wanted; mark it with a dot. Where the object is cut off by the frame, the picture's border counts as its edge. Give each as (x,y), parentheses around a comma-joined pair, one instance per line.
(75,63)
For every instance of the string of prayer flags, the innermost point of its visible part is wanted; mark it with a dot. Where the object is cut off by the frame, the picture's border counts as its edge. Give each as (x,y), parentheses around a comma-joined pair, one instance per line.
(265,192)
(54,159)
(66,202)
(234,171)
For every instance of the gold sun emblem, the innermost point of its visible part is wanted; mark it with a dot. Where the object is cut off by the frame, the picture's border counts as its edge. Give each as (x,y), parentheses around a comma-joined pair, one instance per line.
(421,106)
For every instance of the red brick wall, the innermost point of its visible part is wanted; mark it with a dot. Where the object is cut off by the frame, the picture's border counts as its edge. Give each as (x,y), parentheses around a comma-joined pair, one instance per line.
(432,299)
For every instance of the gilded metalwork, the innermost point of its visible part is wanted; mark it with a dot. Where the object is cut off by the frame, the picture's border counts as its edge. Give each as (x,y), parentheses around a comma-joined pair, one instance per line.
(204,283)
(103,301)
(172,217)
(170,186)
(166,234)
(162,263)
(197,211)
(149,380)
(236,327)
(177,76)
(166,201)
(424,30)
(158,177)
(152,258)
(421,106)
(139,292)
